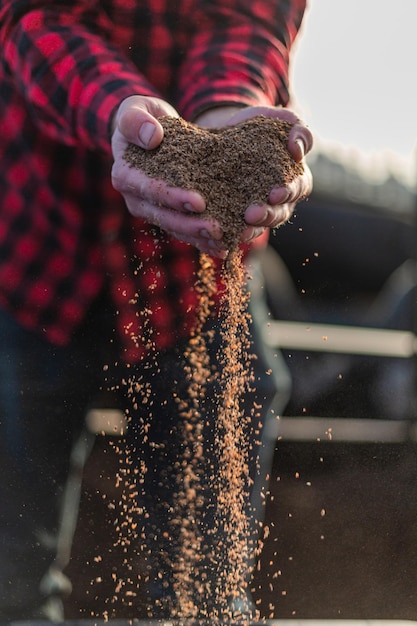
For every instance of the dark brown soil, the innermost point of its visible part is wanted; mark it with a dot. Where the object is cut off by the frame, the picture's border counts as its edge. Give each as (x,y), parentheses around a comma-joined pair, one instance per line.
(231,167)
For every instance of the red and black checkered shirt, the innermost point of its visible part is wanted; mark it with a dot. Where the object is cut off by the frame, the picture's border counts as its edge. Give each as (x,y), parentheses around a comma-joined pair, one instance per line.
(65,66)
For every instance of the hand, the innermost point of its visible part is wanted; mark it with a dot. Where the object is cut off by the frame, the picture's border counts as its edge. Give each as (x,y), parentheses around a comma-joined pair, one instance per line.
(282,200)
(174,210)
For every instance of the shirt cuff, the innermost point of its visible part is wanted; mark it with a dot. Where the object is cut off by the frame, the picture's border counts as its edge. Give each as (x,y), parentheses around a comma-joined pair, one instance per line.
(99,102)
(198,101)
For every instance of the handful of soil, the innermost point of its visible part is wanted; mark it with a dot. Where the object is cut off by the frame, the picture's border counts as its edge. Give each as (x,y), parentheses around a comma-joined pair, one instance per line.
(231,167)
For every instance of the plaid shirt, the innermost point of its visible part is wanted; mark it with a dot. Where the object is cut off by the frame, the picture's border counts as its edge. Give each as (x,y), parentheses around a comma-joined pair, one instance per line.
(65,66)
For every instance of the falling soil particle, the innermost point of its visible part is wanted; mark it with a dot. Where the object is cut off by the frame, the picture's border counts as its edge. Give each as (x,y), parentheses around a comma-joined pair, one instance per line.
(232,168)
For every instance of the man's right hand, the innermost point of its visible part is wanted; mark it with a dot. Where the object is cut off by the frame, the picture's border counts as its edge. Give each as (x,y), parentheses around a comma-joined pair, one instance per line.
(176,211)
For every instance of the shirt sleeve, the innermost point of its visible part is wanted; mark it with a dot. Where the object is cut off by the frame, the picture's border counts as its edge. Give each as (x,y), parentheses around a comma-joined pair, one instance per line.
(239,54)
(70,75)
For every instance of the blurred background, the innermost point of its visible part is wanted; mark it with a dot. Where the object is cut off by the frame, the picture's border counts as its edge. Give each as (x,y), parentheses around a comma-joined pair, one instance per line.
(343,504)
(342,507)
(353,80)
(351,249)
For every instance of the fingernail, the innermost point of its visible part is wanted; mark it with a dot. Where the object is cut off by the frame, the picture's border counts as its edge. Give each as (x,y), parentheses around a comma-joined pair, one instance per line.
(279,195)
(146,132)
(187,206)
(205,233)
(302,147)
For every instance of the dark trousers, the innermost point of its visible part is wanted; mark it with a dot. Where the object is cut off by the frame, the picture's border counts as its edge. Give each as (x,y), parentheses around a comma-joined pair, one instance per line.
(44,394)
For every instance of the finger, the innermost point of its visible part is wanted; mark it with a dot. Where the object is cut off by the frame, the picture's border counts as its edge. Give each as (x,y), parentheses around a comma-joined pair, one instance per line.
(284,214)
(136,120)
(295,191)
(133,183)
(191,226)
(262,215)
(178,200)
(275,217)
(140,127)
(300,141)
(251,232)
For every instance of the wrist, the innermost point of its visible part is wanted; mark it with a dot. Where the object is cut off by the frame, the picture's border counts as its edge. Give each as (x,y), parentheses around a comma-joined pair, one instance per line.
(217,116)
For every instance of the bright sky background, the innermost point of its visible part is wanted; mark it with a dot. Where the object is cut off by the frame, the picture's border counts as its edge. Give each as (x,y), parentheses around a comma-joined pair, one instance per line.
(355,78)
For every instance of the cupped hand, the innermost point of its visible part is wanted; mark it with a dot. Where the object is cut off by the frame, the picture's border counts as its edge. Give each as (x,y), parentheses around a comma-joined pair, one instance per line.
(176,211)
(282,200)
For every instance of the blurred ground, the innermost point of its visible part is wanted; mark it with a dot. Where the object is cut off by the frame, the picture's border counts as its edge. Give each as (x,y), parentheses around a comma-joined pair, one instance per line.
(343,534)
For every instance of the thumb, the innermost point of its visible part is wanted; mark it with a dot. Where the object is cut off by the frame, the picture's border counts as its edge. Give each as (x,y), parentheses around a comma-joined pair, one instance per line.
(137,120)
